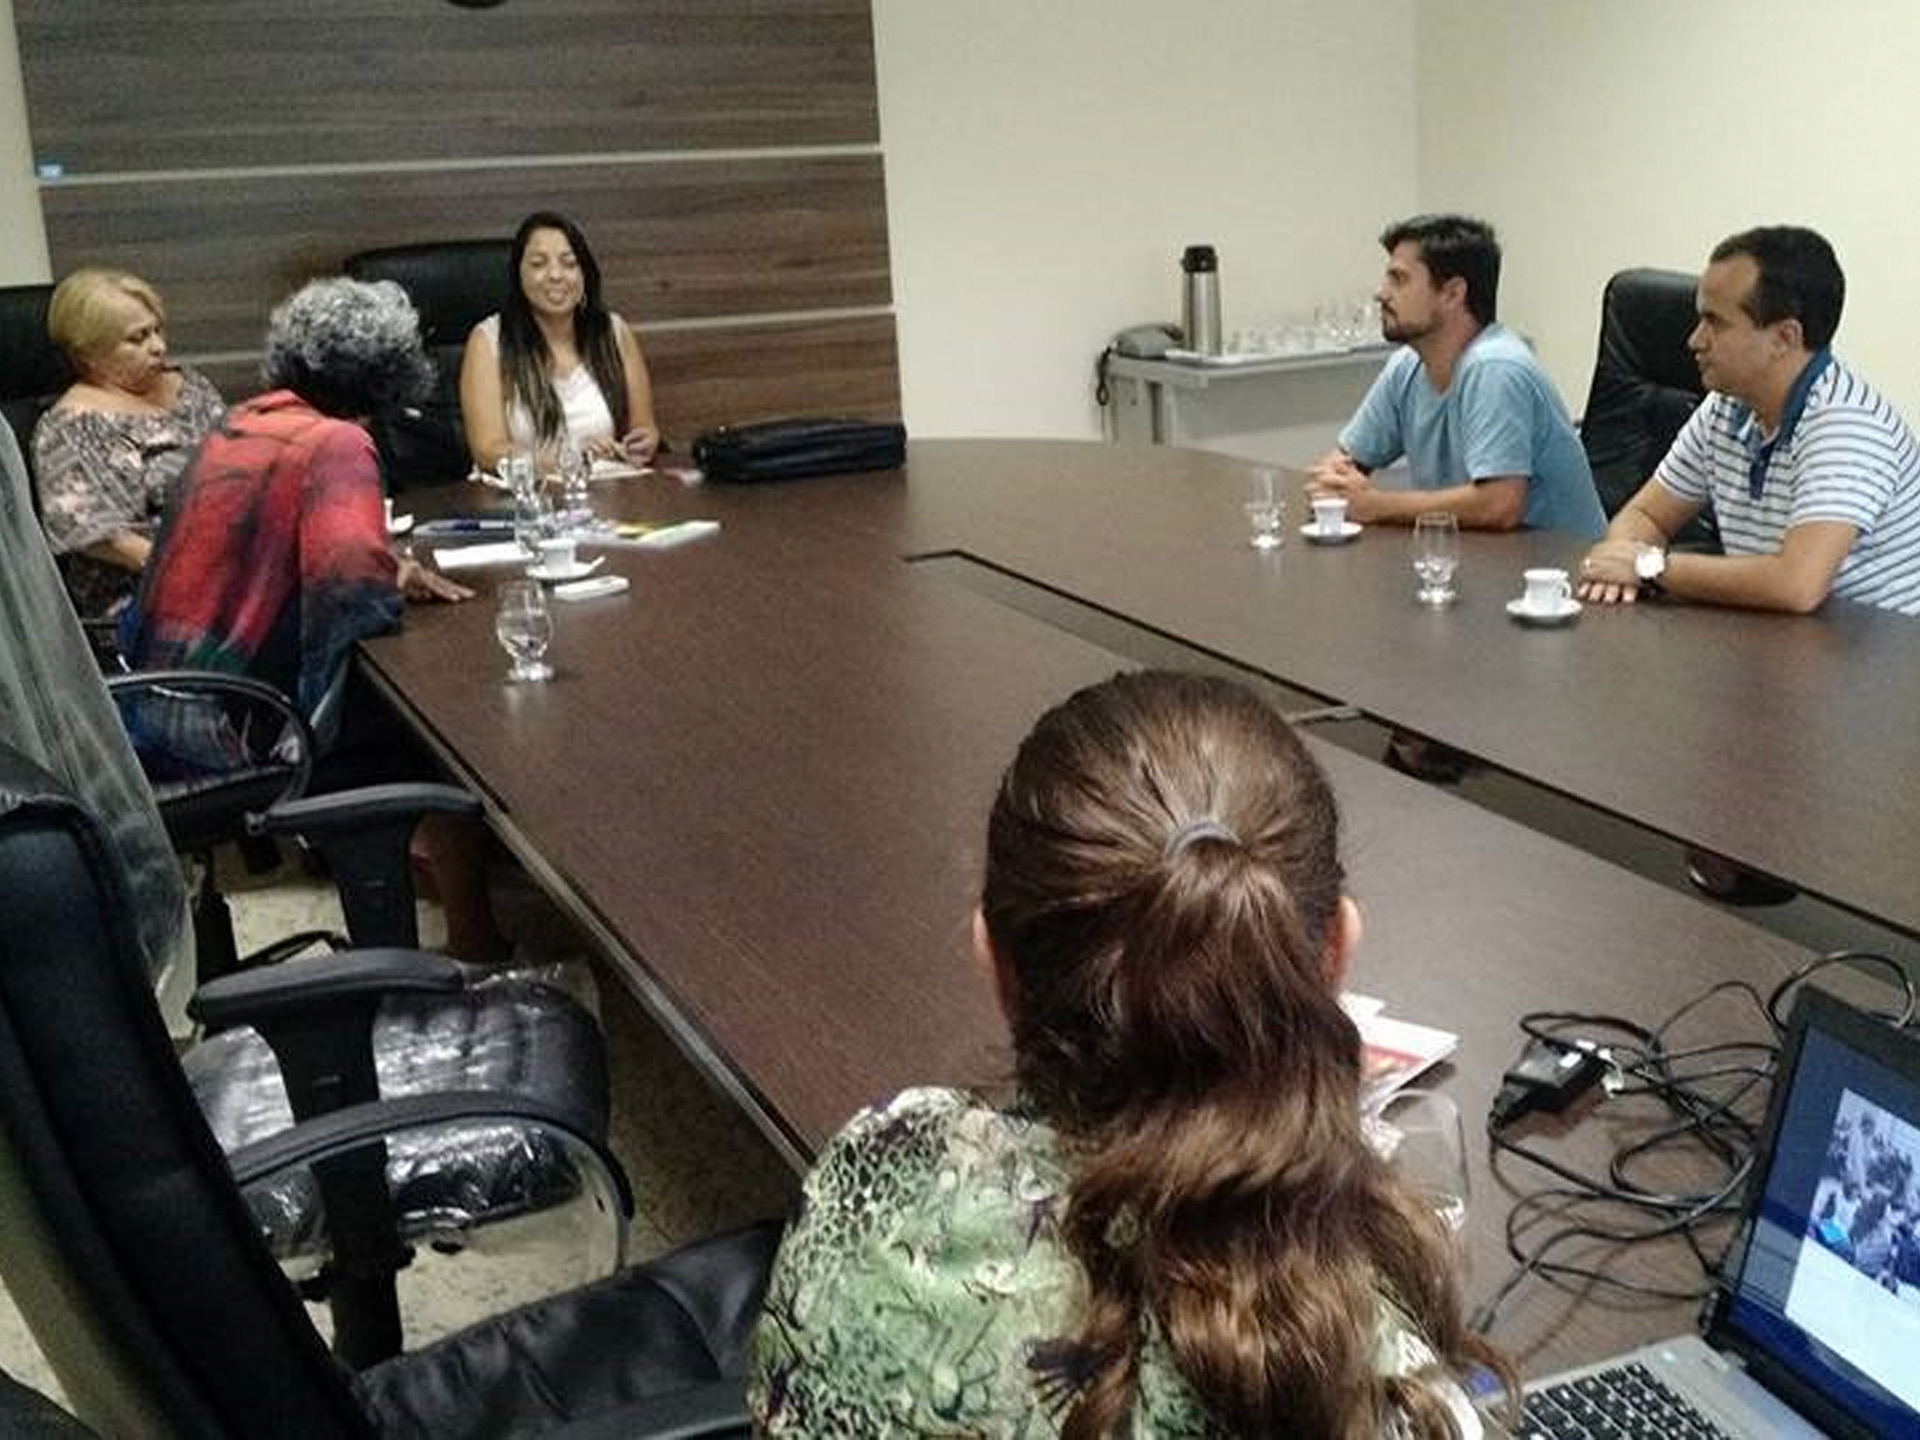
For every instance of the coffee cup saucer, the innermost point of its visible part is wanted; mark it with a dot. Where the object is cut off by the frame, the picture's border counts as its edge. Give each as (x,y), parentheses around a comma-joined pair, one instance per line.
(1558,613)
(559,574)
(1348,529)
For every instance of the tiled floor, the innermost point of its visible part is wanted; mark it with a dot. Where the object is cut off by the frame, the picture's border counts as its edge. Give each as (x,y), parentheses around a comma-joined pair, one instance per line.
(695,1164)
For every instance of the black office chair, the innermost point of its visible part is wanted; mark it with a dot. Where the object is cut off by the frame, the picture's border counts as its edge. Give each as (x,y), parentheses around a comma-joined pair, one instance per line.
(128,1247)
(271,764)
(507,1034)
(454,284)
(33,372)
(1645,385)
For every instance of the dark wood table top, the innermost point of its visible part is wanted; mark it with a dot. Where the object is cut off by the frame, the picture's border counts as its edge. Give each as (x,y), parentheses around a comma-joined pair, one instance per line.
(1784,742)
(761,779)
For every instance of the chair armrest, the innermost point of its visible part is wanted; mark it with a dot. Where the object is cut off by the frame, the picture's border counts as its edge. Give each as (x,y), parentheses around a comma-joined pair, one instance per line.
(699,1412)
(271,991)
(346,811)
(346,1152)
(318,1021)
(308,1140)
(364,836)
(293,745)
(209,682)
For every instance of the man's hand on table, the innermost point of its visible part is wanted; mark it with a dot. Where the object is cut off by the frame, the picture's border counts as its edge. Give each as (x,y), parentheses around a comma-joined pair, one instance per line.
(1607,576)
(1336,474)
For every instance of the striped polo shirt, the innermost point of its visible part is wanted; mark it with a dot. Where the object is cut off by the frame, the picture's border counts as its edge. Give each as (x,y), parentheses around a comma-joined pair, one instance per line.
(1851,458)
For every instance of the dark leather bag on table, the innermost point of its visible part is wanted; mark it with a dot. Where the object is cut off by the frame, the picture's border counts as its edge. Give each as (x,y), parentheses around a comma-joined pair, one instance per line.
(794,449)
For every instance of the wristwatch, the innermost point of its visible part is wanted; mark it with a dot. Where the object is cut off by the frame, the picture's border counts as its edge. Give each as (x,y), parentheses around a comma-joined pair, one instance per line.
(1649,564)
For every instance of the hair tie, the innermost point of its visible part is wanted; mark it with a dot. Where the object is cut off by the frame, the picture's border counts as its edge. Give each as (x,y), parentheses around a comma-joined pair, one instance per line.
(1205,828)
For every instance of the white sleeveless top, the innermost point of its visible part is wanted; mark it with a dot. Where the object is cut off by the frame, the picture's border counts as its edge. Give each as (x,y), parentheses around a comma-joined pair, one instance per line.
(585,414)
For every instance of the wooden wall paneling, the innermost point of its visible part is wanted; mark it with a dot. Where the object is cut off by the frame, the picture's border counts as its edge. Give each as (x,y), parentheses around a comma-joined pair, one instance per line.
(708,377)
(235,379)
(187,84)
(704,378)
(674,241)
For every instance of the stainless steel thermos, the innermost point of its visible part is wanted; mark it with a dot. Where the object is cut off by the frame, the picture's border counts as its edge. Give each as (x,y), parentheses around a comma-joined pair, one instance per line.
(1200,306)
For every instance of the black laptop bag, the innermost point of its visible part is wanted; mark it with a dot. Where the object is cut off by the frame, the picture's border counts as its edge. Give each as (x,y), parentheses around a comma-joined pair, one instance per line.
(793,449)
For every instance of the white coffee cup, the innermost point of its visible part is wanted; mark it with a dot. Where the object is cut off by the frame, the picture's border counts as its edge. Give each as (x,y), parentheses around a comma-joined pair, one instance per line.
(1330,514)
(1547,590)
(556,555)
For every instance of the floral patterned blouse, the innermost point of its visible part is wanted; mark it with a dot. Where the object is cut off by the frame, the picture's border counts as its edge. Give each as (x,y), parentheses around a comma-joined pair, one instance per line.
(101,472)
(925,1271)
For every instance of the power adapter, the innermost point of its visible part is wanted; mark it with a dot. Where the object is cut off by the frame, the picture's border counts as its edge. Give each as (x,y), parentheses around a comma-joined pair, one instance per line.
(1549,1076)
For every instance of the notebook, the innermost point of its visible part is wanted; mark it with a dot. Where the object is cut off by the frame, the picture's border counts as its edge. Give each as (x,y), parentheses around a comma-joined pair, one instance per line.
(1815,1329)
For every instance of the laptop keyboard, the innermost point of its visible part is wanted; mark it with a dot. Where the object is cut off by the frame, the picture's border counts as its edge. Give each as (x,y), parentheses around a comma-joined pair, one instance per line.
(1623,1403)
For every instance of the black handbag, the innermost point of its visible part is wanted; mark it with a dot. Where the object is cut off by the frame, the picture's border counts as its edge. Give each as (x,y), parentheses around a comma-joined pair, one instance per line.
(793,449)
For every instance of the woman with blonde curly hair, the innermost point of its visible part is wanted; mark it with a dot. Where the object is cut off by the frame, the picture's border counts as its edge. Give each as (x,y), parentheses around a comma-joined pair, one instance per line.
(109,452)
(1178,1226)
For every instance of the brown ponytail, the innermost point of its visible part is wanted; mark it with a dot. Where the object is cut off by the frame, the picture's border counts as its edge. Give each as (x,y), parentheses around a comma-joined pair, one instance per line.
(1163,882)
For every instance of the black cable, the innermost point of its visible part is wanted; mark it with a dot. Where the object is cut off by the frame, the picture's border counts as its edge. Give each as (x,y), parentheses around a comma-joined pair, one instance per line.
(1706,1088)
(1858,959)
(1701,1086)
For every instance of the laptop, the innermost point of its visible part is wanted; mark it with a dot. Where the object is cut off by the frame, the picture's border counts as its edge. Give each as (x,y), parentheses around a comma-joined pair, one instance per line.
(1815,1327)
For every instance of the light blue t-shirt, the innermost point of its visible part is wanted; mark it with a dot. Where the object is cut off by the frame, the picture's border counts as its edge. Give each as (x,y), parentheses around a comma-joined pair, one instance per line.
(1501,416)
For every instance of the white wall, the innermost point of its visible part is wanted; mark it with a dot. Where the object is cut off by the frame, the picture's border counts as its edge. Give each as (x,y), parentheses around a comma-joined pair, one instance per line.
(23,239)
(1047,162)
(1634,132)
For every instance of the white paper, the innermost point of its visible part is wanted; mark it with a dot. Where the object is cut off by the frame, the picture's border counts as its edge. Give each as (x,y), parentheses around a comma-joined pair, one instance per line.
(605,469)
(474,557)
(1397,1051)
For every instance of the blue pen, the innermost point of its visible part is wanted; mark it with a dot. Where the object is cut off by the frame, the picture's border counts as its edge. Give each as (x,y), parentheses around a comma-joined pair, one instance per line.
(465,525)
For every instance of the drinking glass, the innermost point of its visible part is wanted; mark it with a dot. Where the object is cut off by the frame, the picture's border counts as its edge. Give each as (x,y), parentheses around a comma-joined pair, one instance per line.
(575,467)
(516,468)
(1436,555)
(1263,512)
(1419,1131)
(525,629)
(532,518)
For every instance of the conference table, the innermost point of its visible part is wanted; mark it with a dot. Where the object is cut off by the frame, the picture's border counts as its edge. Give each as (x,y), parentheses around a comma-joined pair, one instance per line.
(1784,742)
(759,780)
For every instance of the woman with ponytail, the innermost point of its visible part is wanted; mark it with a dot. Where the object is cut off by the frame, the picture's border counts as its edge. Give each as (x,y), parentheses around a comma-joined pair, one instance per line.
(1177,1227)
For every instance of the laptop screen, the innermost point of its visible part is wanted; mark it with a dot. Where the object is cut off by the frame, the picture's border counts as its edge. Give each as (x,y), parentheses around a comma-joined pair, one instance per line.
(1825,1301)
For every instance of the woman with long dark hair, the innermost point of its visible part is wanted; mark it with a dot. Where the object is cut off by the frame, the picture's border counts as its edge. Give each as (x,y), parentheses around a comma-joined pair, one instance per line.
(1178,1226)
(555,365)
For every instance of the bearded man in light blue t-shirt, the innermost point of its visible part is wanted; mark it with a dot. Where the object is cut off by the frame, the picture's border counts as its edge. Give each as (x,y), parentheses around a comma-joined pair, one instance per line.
(1484,433)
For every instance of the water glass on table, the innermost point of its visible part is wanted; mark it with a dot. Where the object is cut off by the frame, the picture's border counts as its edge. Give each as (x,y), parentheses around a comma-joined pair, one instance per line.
(1436,556)
(516,470)
(576,469)
(1419,1132)
(525,629)
(532,519)
(1263,512)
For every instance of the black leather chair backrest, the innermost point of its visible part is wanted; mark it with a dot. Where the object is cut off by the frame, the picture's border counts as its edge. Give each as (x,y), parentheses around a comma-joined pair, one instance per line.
(122,1237)
(454,284)
(1645,385)
(33,372)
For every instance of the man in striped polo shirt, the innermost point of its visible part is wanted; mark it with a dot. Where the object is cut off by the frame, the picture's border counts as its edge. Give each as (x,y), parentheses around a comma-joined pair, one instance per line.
(1813,477)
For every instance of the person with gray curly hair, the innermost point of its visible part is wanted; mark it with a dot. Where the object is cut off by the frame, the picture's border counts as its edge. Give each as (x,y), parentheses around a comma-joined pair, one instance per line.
(349,348)
(274,561)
